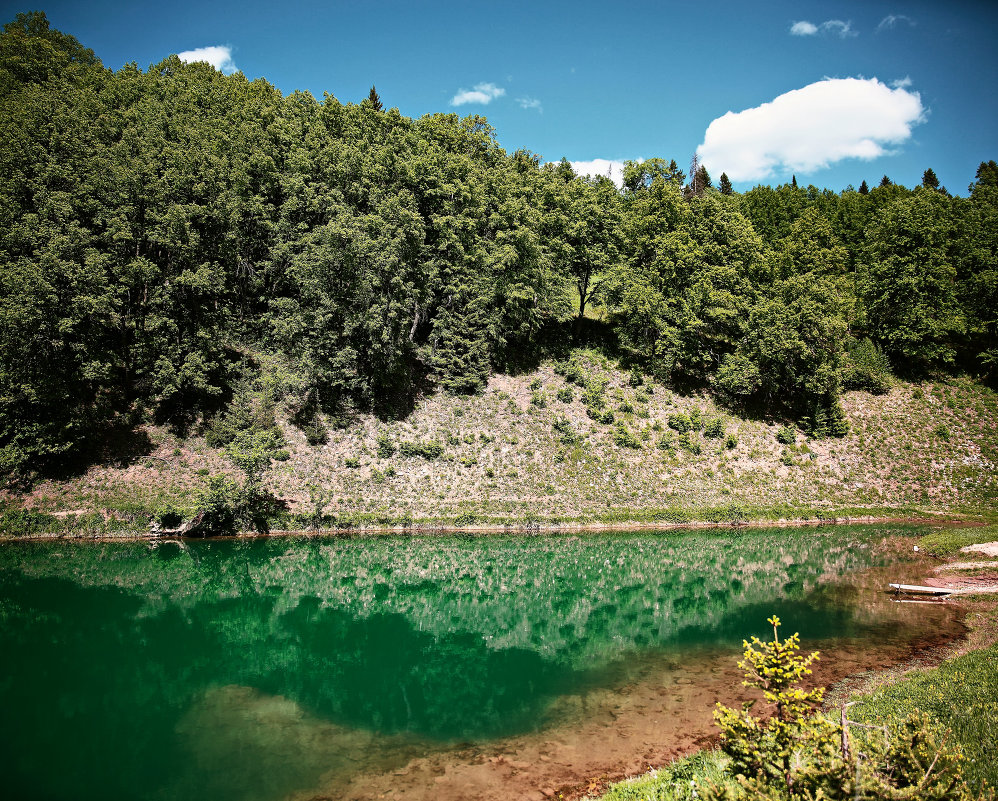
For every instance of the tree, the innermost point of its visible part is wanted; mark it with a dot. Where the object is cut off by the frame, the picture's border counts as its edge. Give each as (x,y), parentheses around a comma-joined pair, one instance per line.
(910,295)
(885,181)
(374,100)
(799,754)
(929,179)
(724,185)
(864,189)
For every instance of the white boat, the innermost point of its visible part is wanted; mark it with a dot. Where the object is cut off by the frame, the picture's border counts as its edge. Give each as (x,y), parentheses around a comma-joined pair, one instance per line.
(915,589)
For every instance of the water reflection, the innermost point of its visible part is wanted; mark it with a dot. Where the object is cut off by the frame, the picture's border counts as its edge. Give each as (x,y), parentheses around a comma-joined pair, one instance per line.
(246,669)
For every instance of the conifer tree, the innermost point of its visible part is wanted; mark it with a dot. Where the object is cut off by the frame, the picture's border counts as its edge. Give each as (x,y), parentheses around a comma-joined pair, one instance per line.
(929,179)
(724,185)
(375,99)
(864,189)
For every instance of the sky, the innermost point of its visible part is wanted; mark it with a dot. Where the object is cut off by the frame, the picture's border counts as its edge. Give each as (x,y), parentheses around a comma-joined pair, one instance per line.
(833,93)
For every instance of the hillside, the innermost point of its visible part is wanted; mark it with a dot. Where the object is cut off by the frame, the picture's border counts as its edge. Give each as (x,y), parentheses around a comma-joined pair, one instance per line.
(527,450)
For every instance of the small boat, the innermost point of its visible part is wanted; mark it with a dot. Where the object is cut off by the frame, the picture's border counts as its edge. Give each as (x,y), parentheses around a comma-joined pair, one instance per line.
(915,589)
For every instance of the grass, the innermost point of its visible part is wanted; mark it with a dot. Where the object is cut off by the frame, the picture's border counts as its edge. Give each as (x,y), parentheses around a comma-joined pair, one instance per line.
(960,695)
(949,541)
(677,781)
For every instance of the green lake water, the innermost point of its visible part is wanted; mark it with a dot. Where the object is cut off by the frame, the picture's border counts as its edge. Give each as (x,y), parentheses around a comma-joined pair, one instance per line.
(253,669)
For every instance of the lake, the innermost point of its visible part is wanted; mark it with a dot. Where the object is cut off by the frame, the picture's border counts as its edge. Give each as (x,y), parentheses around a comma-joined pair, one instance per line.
(500,666)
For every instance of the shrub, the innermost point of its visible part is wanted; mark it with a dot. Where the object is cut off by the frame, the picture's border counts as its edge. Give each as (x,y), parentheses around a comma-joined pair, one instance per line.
(427,450)
(665,443)
(636,379)
(731,442)
(535,385)
(689,444)
(680,422)
(626,408)
(714,428)
(622,437)
(565,395)
(942,431)
(352,462)
(785,435)
(564,427)
(696,420)
(866,368)
(828,420)
(600,415)
(539,400)
(386,448)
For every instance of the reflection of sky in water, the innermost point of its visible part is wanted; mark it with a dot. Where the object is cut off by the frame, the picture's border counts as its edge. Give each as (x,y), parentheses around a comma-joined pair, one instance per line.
(136,655)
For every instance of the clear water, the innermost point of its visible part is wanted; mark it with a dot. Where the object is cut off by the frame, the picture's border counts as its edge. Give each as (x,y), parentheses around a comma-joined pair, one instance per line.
(256,669)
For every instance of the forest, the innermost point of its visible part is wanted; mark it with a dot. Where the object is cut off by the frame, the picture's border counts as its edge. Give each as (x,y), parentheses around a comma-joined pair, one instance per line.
(166,233)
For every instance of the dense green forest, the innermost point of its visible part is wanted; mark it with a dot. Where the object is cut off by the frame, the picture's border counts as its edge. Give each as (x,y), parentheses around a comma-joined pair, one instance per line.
(165,232)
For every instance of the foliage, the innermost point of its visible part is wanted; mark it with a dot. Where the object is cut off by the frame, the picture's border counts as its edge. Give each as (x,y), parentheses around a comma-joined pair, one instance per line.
(427,450)
(798,753)
(714,428)
(680,422)
(785,435)
(866,368)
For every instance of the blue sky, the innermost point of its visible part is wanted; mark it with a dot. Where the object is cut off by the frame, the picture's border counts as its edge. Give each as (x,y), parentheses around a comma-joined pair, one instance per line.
(834,92)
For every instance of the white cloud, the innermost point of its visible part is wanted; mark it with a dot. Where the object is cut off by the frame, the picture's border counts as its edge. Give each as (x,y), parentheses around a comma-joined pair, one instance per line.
(891,21)
(811,128)
(608,168)
(530,102)
(219,56)
(902,83)
(483,93)
(839,28)
(803,28)
(835,27)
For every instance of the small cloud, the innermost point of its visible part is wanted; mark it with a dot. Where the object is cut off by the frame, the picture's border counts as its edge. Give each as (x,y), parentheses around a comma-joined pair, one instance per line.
(608,168)
(219,56)
(811,128)
(834,27)
(890,22)
(902,83)
(839,28)
(483,93)
(803,28)
(530,102)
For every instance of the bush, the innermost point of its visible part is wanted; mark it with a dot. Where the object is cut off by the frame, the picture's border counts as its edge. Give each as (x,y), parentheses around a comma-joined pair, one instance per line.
(785,435)
(696,420)
(426,450)
(680,422)
(565,395)
(386,448)
(567,433)
(689,444)
(25,523)
(600,415)
(352,462)
(866,368)
(622,437)
(539,400)
(731,442)
(942,431)
(626,408)
(714,428)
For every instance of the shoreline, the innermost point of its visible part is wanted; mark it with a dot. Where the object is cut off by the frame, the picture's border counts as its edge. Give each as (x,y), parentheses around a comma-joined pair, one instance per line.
(511,528)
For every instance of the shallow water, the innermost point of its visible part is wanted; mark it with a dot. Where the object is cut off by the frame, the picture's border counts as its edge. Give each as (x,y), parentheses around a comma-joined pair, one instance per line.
(413,667)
